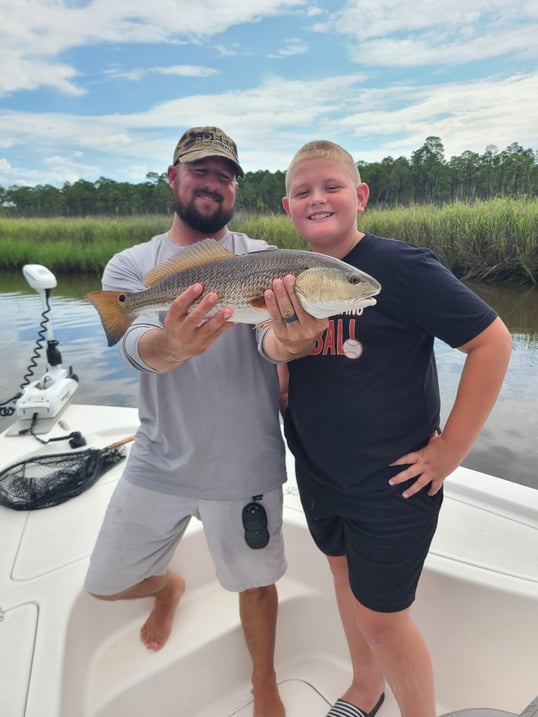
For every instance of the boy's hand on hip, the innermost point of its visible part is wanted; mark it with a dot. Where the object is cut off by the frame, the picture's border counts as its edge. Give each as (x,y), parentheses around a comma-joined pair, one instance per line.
(430,466)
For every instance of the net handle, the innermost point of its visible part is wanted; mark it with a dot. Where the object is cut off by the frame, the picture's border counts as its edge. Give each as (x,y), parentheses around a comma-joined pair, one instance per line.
(121,442)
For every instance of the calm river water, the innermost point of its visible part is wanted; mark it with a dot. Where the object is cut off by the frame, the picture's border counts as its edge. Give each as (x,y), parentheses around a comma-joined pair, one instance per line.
(507,447)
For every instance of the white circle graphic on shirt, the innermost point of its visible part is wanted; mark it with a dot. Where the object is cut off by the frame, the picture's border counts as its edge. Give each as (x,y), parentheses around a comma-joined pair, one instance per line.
(352,348)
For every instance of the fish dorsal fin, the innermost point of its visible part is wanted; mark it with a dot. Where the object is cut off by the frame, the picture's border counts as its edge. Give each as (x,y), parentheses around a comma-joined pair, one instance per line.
(203,252)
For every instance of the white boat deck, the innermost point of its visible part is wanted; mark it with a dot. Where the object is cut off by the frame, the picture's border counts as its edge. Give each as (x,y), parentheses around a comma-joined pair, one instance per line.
(65,654)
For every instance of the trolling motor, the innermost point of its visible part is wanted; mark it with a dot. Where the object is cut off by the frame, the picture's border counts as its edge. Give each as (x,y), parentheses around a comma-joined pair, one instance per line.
(49,395)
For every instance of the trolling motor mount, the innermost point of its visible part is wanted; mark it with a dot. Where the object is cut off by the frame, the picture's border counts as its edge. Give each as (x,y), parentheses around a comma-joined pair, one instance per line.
(49,395)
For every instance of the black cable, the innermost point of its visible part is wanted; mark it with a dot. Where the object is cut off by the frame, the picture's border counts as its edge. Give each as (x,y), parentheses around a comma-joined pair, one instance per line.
(38,348)
(75,438)
(5,409)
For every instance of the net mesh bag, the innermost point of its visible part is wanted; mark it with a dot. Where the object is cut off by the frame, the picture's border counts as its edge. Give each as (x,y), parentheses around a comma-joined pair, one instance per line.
(44,481)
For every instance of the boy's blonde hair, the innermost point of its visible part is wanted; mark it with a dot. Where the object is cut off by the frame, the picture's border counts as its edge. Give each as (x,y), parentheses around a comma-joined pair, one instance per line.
(323,149)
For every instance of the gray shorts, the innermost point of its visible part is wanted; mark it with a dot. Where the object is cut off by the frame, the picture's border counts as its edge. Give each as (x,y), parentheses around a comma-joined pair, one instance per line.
(142,528)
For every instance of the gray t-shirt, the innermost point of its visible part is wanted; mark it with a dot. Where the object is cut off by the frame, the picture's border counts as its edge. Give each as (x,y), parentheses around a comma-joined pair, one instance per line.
(210,428)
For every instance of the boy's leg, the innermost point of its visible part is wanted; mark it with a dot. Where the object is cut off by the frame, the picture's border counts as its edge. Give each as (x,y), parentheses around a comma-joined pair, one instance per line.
(383,644)
(403,656)
(367,681)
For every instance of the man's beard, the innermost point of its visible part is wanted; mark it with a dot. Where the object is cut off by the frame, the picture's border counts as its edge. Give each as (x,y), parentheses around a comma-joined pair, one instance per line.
(200,223)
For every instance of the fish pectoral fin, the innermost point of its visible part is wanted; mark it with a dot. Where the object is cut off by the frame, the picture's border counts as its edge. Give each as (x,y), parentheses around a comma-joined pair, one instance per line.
(203,252)
(258,302)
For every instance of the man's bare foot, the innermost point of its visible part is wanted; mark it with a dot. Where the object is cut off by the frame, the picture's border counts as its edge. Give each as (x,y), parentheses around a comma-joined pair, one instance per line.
(157,628)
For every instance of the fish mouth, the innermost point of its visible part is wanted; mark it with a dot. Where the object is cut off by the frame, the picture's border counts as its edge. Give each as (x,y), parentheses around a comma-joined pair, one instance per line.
(347,308)
(356,307)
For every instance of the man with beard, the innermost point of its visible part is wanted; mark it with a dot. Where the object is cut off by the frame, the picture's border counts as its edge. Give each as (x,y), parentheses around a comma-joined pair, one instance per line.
(209,441)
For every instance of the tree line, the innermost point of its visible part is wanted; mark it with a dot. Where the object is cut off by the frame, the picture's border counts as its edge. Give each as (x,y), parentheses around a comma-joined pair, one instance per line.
(426,177)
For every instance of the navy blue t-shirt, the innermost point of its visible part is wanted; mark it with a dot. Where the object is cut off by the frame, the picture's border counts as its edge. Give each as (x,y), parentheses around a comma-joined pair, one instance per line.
(368,393)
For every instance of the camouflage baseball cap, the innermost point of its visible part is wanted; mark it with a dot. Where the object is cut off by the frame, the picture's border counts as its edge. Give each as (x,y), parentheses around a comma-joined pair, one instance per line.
(200,142)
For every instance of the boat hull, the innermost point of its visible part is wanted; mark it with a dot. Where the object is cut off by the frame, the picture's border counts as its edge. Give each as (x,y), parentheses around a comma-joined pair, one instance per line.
(477,605)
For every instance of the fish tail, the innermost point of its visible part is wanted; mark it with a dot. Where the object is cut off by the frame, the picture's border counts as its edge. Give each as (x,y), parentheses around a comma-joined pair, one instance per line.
(112,312)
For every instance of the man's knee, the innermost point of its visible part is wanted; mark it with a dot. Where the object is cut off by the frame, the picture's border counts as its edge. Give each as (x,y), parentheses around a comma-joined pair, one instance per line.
(258,593)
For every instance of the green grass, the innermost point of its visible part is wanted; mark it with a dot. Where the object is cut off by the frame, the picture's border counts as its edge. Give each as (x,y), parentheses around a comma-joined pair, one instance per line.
(486,241)
(496,240)
(72,245)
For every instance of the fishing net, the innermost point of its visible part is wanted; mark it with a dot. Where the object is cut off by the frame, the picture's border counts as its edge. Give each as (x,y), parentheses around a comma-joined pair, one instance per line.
(47,480)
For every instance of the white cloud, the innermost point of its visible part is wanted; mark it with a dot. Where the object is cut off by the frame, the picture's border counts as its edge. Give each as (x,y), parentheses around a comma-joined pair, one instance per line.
(28,73)
(467,115)
(34,33)
(291,46)
(228,50)
(366,20)
(137,74)
(54,170)
(464,115)
(399,32)
(319,95)
(433,50)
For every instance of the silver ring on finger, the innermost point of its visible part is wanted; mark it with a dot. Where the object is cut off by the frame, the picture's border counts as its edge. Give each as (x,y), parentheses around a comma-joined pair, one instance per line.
(290,319)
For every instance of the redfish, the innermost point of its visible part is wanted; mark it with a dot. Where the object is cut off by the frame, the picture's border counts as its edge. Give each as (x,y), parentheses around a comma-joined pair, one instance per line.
(324,285)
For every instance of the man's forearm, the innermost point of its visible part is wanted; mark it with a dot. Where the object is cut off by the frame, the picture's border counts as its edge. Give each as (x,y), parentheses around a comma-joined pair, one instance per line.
(157,352)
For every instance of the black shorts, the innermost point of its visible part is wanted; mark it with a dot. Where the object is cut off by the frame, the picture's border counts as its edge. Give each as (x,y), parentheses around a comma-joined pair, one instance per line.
(384,537)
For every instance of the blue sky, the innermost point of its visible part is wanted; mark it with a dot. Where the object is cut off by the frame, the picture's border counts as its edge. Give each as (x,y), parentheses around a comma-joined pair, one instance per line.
(104,88)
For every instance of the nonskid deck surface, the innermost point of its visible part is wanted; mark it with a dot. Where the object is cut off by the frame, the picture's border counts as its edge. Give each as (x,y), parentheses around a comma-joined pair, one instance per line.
(204,670)
(476,605)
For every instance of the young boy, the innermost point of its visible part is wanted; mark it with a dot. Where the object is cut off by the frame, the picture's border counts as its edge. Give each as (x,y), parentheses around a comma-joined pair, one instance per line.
(363,422)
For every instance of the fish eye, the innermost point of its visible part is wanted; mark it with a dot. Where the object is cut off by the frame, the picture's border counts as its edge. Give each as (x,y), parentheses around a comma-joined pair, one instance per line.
(353,279)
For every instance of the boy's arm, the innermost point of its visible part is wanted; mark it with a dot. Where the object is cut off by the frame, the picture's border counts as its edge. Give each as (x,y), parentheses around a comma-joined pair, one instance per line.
(488,355)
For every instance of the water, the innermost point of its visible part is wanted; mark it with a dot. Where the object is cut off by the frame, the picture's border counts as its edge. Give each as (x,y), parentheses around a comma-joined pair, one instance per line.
(507,446)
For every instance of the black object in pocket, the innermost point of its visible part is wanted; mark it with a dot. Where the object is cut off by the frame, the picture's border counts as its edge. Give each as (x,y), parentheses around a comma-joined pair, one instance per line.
(254,520)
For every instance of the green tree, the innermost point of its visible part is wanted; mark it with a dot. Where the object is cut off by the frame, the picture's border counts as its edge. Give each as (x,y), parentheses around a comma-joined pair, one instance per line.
(426,177)
(429,175)
(517,170)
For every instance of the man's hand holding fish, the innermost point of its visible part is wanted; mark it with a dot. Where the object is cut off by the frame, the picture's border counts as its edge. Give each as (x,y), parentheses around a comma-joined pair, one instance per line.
(185,333)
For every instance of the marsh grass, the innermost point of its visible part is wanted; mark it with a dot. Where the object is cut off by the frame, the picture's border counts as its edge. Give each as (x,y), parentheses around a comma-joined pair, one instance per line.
(496,240)
(72,245)
(486,241)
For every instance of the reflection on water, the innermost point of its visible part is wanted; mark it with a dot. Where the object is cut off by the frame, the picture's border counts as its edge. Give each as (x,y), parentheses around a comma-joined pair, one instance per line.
(507,446)
(75,324)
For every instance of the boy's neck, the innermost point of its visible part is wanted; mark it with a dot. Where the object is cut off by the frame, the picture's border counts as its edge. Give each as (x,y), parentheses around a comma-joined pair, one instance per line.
(341,248)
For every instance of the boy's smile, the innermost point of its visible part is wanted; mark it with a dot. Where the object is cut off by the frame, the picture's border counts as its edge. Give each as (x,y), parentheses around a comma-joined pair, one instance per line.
(320,215)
